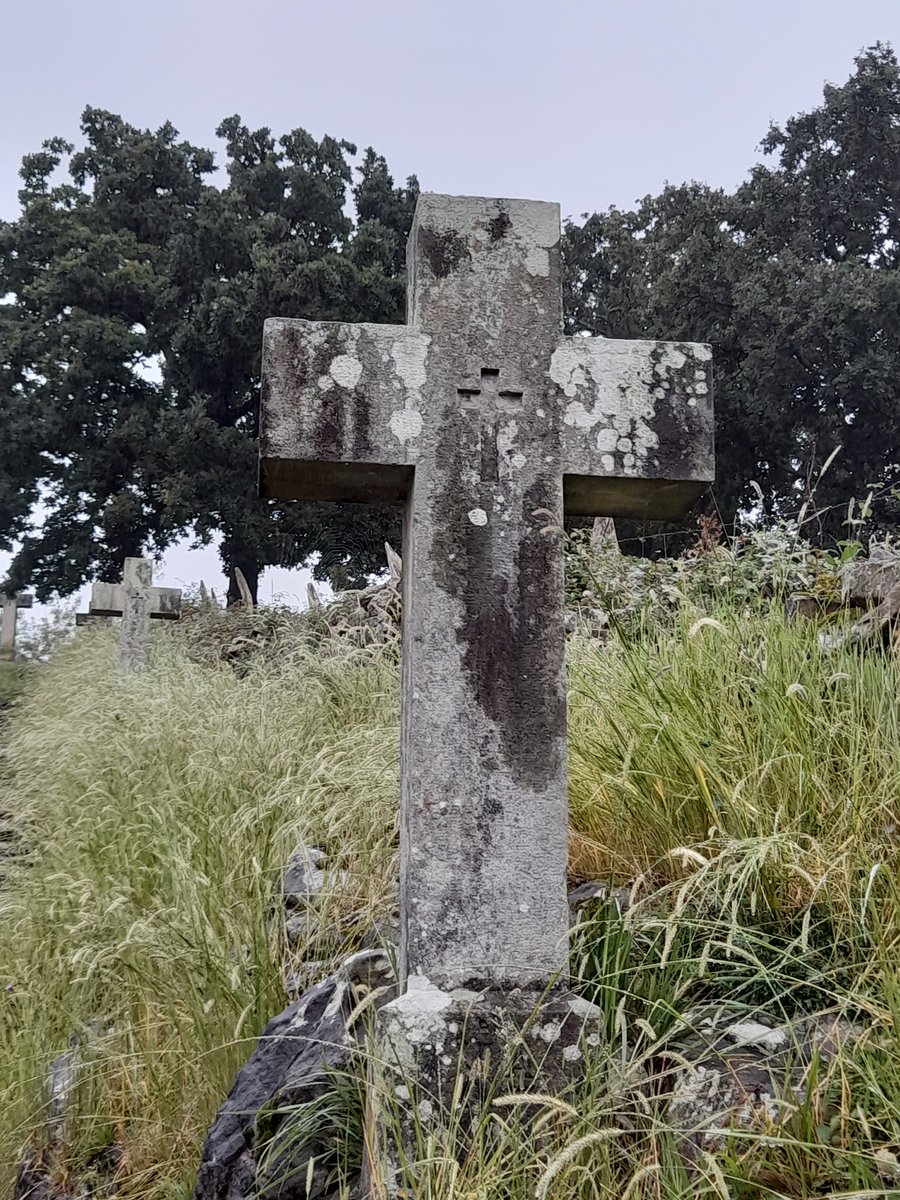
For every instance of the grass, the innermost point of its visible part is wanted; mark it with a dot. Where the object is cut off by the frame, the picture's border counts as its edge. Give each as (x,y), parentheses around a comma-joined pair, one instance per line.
(13,679)
(745,784)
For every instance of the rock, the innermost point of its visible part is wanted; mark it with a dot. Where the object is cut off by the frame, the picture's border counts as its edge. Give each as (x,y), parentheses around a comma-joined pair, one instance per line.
(880,625)
(299,928)
(873,582)
(305,883)
(304,876)
(603,535)
(61,1080)
(34,1180)
(752,1033)
(746,1075)
(290,1066)
(430,1040)
(383,935)
(304,977)
(869,580)
(887,1164)
(812,608)
(307,876)
(395,565)
(44,1173)
(585,894)
(41,1176)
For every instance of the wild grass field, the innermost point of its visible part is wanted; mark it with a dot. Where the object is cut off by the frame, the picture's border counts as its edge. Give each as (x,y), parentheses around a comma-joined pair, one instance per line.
(12,681)
(743,783)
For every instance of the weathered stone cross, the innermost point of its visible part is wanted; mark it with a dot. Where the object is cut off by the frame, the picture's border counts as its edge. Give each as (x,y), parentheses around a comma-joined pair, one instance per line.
(488,425)
(11,606)
(135,601)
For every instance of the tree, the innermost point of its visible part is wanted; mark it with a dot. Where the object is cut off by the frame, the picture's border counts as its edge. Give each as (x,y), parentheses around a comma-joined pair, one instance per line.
(820,312)
(136,290)
(130,369)
(793,279)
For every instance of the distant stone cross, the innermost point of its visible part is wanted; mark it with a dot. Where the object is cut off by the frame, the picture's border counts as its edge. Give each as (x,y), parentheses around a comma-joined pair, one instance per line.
(487,425)
(135,600)
(11,606)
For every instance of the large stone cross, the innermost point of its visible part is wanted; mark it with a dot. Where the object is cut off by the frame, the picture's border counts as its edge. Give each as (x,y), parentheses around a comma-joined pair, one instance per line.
(11,606)
(135,601)
(488,425)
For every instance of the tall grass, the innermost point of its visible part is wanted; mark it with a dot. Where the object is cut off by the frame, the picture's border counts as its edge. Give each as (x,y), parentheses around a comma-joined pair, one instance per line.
(155,814)
(13,679)
(745,783)
(732,728)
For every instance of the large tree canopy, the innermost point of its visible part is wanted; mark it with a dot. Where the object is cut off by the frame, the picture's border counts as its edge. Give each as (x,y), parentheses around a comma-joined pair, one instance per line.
(136,285)
(131,345)
(793,279)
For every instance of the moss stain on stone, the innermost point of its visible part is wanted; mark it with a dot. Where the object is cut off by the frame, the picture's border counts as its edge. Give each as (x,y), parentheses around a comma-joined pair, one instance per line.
(500,225)
(444,251)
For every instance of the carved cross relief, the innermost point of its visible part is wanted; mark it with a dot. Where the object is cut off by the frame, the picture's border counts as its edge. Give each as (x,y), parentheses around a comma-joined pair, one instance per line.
(490,402)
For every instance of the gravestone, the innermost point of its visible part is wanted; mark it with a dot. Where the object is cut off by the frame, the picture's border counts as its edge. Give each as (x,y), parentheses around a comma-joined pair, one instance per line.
(136,601)
(11,606)
(487,425)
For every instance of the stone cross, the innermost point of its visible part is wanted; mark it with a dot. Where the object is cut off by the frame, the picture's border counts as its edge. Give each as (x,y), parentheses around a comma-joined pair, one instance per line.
(135,601)
(11,606)
(488,425)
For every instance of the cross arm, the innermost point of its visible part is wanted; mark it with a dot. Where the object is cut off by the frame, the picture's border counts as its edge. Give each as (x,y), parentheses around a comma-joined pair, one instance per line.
(19,599)
(637,425)
(342,410)
(108,600)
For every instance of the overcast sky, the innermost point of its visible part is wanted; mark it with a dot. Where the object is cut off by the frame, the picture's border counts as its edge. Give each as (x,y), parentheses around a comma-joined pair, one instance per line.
(588,102)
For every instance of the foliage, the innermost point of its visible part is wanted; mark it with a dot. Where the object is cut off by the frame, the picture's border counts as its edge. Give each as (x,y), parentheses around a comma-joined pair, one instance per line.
(153,814)
(13,679)
(129,370)
(767,563)
(741,782)
(130,364)
(794,281)
(38,638)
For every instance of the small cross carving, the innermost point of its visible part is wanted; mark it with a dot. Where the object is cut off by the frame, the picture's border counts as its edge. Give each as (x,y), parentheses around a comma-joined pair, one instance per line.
(490,401)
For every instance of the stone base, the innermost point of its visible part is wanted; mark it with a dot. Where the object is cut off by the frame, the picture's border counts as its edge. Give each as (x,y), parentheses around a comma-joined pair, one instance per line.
(440,1059)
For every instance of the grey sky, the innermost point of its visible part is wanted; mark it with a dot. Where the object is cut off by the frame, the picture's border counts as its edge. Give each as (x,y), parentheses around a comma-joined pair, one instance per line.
(592,102)
(589,102)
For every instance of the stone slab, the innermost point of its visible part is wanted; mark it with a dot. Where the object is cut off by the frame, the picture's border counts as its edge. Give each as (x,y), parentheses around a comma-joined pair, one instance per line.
(440,1058)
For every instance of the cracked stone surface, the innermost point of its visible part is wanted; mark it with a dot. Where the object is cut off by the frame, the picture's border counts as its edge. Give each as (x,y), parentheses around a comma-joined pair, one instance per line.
(747,1075)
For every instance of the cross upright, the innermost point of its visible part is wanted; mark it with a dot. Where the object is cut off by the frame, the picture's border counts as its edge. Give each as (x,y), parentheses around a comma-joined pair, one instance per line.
(11,605)
(487,424)
(135,600)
